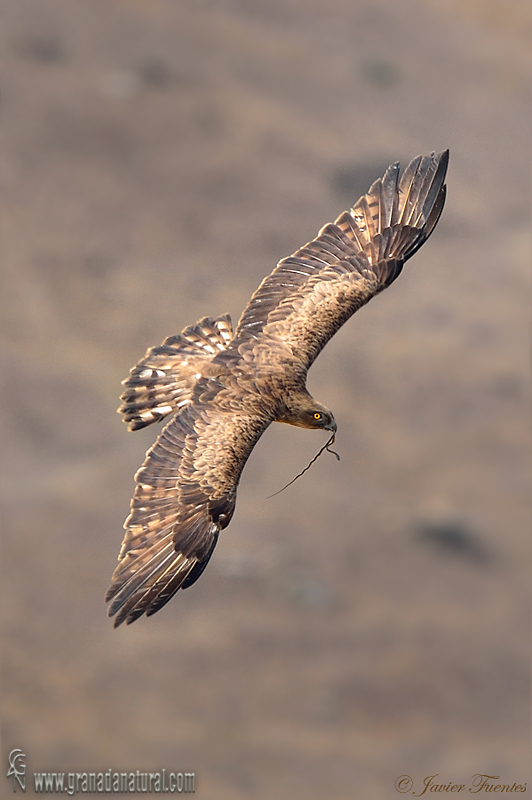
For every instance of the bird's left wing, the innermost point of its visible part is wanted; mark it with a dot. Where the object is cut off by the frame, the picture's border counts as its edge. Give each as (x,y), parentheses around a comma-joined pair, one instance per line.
(310,294)
(185,494)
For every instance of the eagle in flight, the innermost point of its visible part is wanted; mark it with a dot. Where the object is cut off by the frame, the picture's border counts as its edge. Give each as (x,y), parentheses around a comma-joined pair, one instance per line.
(226,388)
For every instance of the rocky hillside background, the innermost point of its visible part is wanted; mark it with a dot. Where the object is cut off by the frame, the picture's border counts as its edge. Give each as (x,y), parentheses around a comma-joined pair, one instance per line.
(157,159)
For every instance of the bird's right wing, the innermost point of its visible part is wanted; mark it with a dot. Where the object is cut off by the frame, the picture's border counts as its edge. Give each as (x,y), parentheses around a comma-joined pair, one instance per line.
(185,494)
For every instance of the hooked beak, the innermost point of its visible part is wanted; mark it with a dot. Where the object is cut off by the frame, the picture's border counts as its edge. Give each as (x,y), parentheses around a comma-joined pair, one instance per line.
(332,427)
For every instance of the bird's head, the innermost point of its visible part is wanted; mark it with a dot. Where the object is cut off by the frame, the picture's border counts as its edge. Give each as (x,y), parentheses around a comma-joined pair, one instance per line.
(305,412)
(321,417)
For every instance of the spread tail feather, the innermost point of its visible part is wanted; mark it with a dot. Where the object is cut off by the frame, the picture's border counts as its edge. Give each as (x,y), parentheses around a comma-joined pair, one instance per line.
(164,380)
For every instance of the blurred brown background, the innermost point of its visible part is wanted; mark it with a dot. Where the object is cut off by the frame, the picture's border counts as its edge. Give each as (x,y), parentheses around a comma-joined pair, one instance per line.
(157,159)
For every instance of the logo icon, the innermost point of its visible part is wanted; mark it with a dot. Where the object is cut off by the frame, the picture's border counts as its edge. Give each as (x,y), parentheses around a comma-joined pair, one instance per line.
(17,768)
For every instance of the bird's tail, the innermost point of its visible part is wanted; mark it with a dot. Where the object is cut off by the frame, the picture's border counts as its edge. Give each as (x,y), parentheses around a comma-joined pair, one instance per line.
(164,380)
(396,216)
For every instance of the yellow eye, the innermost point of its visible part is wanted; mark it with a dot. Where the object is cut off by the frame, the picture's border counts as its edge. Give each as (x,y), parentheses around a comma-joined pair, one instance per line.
(317,415)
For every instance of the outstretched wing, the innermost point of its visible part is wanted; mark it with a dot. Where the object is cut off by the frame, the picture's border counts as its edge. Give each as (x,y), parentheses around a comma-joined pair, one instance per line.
(163,382)
(185,494)
(310,294)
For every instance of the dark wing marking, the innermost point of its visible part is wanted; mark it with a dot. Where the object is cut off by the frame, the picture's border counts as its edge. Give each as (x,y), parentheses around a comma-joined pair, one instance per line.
(164,380)
(185,494)
(310,294)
